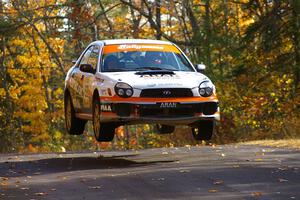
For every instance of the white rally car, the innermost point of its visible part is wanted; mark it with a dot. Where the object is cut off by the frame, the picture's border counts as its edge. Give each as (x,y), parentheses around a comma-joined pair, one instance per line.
(119,82)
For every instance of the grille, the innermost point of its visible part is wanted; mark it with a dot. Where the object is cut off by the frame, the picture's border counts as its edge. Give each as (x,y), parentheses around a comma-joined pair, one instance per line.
(178,112)
(208,108)
(167,92)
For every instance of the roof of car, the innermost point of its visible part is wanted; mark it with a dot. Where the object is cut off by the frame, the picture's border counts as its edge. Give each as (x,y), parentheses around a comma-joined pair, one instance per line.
(131,41)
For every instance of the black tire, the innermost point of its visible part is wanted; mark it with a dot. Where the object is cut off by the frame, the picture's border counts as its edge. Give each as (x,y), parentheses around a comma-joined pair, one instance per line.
(164,129)
(103,132)
(204,130)
(74,125)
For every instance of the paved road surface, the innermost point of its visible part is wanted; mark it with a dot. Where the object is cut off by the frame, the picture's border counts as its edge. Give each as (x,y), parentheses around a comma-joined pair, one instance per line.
(204,172)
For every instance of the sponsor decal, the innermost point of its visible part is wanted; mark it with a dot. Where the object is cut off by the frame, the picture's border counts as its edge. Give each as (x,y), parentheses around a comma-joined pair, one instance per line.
(168,105)
(134,46)
(169,84)
(105,108)
(140,47)
(160,76)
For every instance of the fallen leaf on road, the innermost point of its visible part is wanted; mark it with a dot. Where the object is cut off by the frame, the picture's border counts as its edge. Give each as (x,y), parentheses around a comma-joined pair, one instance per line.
(41,194)
(258,159)
(62,177)
(94,187)
(212,190)
(283,168)
(164,153)
(158,179)
(256,194)
(184,171)
(83,180)
(24,188)
(52,189)
(282,180)
(223,154)
(218,182)
(235,166)
(4,179)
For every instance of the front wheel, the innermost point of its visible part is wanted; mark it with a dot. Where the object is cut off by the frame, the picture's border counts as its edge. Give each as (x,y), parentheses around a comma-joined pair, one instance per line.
(203,130)
(74,125)
(104,132)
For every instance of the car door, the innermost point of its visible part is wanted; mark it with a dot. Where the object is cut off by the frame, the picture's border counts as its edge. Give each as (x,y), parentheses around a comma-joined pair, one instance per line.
(89,80)
(78,80)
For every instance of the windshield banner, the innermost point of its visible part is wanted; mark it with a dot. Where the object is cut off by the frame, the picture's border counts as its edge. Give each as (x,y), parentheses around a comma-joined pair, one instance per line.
(139,47)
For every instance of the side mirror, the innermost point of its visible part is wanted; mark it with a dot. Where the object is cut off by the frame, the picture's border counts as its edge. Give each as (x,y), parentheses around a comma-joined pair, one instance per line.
(200,67)
(87,68)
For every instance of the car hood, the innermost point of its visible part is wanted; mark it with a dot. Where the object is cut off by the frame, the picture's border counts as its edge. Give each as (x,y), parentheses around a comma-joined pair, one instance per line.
(177,80)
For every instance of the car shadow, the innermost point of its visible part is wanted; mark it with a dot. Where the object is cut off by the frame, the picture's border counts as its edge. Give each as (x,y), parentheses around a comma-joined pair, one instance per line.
(69,164)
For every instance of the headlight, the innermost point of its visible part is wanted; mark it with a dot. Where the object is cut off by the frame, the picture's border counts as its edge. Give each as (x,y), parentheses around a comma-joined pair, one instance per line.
(123,90)
(206,88)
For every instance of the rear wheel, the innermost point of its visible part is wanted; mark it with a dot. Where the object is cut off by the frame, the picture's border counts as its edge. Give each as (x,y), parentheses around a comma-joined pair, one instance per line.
(203,130)
(164,129)
(74,125)
(104,132)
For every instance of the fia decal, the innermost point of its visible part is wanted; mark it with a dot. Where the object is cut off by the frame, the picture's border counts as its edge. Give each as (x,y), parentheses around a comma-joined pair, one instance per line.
(168,105)
(106,108)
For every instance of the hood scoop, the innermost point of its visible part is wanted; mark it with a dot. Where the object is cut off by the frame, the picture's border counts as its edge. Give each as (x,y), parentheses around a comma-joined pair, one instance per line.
(155,72)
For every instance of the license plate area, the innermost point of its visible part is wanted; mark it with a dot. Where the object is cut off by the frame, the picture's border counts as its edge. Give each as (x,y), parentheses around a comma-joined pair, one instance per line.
(168,105)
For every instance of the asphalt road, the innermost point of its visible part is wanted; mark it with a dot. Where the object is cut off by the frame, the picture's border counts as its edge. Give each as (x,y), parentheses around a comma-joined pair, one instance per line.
(204,172)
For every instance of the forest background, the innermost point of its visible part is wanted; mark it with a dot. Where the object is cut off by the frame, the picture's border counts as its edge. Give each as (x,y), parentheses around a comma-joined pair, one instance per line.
(251,49)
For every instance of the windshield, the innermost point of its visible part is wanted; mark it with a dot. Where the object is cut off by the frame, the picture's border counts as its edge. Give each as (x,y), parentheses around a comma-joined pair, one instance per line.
(140,57)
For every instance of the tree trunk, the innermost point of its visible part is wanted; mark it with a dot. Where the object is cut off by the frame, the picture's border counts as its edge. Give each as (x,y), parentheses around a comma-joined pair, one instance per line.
(158,19)
(296,40)
(208,33)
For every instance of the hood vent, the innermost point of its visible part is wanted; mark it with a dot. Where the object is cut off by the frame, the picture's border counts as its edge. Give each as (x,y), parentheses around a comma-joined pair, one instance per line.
(155,72)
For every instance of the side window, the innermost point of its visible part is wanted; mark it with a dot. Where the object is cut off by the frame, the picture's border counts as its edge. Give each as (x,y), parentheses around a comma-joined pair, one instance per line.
(85,57)
(93,58)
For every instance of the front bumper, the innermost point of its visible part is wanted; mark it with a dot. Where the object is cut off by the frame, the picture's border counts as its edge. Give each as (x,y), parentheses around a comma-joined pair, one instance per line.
(172,112)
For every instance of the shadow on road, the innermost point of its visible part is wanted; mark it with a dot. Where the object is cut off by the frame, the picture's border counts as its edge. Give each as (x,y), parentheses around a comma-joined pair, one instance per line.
(57,165)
